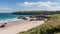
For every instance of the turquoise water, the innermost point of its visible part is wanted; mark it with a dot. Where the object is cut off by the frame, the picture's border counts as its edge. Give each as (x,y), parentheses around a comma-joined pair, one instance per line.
(5,17)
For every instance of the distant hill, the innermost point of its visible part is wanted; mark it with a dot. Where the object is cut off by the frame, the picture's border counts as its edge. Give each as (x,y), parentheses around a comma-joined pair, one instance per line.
(36,12)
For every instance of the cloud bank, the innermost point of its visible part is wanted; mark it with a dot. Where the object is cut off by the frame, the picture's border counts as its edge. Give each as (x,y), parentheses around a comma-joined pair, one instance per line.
(48,5)
(5,9)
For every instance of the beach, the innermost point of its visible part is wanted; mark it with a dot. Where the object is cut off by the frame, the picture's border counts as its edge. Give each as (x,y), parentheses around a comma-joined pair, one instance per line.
(18,26)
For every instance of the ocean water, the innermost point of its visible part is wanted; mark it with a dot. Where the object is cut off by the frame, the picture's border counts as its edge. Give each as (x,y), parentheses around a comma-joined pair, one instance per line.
(7,17)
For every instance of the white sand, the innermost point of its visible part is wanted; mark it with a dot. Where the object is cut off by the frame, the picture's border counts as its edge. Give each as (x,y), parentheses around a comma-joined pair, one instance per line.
(19,26)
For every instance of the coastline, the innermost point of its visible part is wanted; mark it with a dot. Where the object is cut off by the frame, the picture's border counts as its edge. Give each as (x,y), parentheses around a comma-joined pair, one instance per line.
(19,26)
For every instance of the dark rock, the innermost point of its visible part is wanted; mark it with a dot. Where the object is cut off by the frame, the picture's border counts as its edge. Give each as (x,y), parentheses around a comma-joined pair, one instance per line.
(3,25)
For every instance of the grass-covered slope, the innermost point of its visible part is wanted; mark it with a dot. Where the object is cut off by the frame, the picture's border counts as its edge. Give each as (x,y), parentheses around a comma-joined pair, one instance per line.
(51,26)
(36,12)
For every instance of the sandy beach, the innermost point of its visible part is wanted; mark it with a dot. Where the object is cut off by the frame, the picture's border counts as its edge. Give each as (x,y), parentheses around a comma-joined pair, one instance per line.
(18,26)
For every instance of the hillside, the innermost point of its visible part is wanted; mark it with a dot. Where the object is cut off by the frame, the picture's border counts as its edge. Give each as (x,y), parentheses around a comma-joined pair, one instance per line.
(36,12)
(51,26)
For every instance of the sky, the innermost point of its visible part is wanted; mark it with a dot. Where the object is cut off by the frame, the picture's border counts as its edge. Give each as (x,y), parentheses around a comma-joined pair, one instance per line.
(8,6)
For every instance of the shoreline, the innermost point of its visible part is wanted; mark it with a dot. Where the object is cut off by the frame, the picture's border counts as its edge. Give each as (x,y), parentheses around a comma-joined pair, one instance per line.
(19,26)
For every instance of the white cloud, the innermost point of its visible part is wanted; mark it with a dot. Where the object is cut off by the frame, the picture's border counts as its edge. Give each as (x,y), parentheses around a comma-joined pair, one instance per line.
(40,5)
(5,9)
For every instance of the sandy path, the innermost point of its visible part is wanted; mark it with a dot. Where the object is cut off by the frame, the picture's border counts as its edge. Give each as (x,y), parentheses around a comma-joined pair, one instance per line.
(13,29)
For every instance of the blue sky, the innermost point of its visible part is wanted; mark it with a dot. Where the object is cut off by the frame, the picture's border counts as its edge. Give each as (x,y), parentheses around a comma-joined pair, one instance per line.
(7,6)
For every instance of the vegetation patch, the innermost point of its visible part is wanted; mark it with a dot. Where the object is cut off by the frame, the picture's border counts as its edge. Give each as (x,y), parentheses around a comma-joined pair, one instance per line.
(51,26)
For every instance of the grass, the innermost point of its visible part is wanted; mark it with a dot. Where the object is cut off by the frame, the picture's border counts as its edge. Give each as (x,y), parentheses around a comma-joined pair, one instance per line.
(51,26)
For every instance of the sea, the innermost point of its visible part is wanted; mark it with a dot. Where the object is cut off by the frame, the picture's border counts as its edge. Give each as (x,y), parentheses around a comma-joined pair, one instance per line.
(7,17)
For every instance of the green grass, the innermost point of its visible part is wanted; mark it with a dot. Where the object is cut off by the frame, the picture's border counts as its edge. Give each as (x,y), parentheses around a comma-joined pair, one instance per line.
(51,26)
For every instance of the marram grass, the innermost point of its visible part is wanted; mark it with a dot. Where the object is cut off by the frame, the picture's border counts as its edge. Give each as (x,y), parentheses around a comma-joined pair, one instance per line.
(51,26)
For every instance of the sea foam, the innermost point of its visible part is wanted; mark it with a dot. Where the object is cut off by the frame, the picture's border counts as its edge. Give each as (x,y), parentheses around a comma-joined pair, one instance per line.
(9,20)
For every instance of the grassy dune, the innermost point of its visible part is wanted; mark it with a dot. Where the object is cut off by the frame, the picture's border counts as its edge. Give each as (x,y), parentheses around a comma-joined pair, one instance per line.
(51,26)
